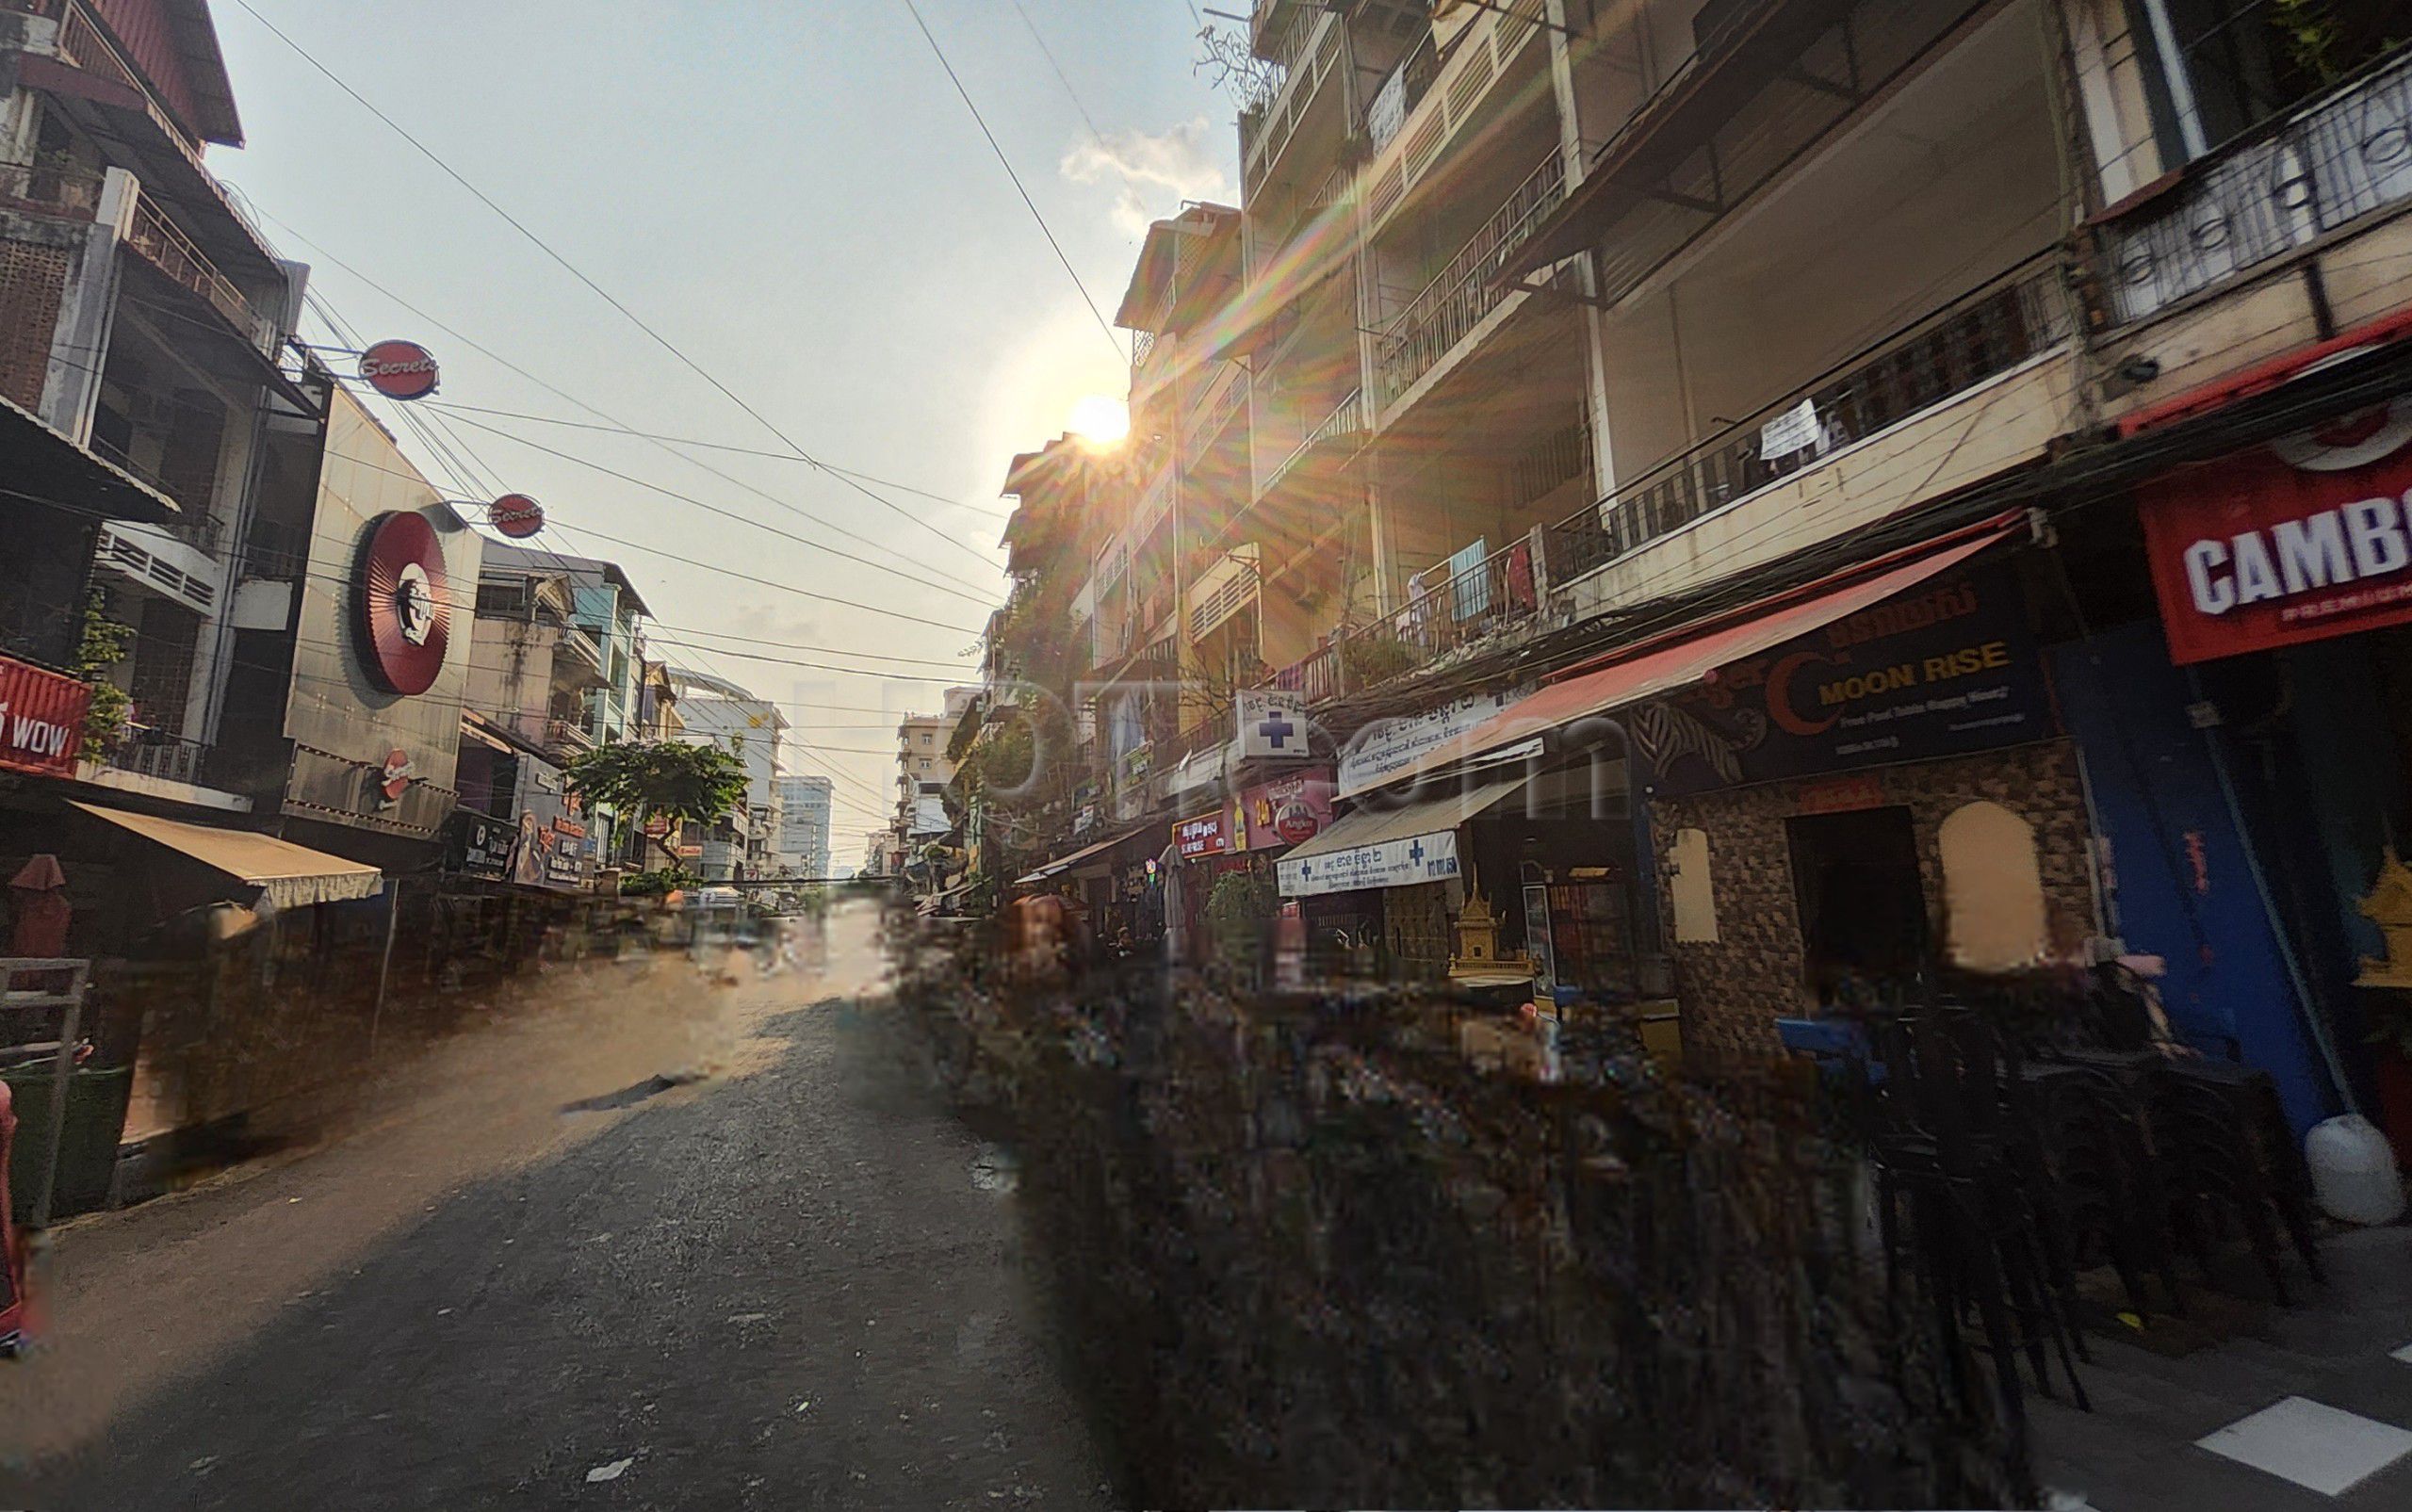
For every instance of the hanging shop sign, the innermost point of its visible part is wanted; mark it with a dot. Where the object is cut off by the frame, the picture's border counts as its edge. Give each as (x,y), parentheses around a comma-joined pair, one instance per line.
(1287,810)
(404,618)
(41,720)
(478,846)
(2307,538)
(1273,724)
(1385,748)
(1945,668)
(1382,864)
(516,515)
(1211,833)
(400,369)
(393,777)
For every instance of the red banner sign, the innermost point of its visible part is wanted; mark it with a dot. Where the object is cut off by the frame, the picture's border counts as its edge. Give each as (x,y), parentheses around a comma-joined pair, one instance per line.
(1206,834)
(1287,810)
(2307,538)
(41,720)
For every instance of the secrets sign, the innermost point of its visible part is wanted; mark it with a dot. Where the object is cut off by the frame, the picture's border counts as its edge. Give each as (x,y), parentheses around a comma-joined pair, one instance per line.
(1945,668)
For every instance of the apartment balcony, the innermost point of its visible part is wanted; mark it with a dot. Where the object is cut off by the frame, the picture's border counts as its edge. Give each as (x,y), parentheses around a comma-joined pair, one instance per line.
(1467,289)
(1974,389)
(1225,394)
(580,660)
(1472,599)
(62,194)
(1427,103)
(2338,159)
(566,736)
(1340,435)
(160,755)
(1223,590)
(173,254)
(1309,54)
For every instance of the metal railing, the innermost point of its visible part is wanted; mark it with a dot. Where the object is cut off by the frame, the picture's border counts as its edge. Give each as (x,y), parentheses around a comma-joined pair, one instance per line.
(1143,346)
(69,193)
(1224,397)
(1445,613)
(567,735)
(1347,421)
(154,753)
(1449,307)
(2335,159)
(1400,92)
(173,254)
(1982,334)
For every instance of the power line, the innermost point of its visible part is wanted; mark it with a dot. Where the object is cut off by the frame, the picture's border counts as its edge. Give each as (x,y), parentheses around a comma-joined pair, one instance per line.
(966,592)
(1049,53)
(980,121)
(708,446)
(600,292)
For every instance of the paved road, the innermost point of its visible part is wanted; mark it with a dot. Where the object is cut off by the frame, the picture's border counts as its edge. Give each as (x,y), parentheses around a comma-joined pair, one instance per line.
(782,1287)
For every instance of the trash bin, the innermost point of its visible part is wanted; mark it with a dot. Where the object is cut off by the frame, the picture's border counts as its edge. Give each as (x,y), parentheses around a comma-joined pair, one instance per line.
(96,1101)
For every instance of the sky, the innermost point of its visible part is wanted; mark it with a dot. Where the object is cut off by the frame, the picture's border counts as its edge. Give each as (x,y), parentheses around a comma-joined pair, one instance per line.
(793,194)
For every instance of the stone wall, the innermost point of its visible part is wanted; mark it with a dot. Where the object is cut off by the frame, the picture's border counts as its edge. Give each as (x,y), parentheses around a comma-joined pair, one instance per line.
(1735,988)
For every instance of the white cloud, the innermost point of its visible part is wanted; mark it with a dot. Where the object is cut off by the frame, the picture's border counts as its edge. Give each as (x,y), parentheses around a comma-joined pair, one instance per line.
(1156,172)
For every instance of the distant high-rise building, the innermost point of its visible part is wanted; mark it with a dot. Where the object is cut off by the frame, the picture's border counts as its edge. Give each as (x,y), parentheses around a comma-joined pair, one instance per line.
(802,847)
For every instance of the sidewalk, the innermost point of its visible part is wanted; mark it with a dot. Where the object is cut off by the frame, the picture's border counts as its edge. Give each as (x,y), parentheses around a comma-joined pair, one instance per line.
(2310,1412)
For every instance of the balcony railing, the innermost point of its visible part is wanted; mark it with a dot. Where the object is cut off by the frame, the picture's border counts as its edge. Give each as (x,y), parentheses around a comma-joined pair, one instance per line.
(567,735)
(1986,333)
(1224,397)
(1447,610)
(1306,57)
(153,753)
(1346,424)
(1468,288)
(173,254)
(1400,92)
(1143,346)
(67,193)
(2333,160)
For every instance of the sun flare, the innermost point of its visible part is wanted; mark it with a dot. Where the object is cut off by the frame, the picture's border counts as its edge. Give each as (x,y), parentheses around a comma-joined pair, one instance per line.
(1099,420)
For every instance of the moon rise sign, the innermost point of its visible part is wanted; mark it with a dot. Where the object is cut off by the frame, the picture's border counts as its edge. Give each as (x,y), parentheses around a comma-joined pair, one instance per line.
(405,615)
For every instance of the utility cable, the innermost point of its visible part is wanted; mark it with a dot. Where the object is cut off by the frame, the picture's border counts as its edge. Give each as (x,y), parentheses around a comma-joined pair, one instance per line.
(1103,323)
(600,292)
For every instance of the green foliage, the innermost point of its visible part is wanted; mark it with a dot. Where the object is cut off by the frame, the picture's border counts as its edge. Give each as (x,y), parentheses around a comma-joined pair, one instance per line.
(646,778)
(104,644)
(655,884)
(1238,908)
(1373,657)
(2310,36)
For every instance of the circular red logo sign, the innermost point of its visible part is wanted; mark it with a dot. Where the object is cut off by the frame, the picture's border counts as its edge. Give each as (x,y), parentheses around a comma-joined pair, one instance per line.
(396,777)
(516,515)
(1297,822)
(399,370)
(404,619)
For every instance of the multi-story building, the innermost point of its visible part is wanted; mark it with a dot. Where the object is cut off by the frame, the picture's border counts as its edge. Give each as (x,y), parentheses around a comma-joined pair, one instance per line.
(718,711)
(143,319)
(1669,389)
(606,605)
(923,769)
(533,668)
(804,824)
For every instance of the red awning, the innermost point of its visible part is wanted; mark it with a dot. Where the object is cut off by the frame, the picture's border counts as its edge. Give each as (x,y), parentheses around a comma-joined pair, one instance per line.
(1687,660)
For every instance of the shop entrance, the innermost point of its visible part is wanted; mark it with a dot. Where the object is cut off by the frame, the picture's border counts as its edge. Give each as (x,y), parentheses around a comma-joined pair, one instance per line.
(1862,900)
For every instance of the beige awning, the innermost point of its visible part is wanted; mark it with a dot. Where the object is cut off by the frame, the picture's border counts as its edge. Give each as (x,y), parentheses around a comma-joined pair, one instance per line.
(287,875)
(1390,845)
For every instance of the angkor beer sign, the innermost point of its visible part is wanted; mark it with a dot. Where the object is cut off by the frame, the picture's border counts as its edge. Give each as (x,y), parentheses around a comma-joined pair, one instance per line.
(404,620)
(1947,668)
(400,369)
(41,720)
(2306,538)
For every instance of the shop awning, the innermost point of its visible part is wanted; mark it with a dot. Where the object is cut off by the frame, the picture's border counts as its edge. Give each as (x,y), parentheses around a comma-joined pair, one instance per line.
(43,465)
(1390,846)
(1687,660)
(287,875)
(1065,863)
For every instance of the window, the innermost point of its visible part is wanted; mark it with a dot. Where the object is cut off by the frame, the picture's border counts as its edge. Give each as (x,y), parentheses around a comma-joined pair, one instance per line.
(1992,890)
(1689,887)
(925,737)
(1862,901)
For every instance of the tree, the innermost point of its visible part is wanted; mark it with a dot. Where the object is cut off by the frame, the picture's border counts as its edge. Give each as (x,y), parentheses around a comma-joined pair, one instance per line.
(644,779)
(104,644)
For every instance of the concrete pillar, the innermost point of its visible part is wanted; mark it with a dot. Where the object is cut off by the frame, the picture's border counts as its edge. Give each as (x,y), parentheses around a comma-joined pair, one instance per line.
(80,343)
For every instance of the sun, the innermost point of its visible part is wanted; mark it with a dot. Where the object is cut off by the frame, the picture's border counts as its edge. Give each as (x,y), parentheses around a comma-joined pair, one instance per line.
(1099,420)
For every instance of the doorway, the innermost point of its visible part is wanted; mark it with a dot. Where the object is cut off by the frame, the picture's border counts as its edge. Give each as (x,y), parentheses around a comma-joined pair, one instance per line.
(1862,902)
